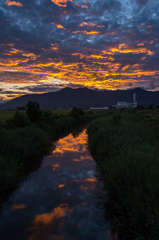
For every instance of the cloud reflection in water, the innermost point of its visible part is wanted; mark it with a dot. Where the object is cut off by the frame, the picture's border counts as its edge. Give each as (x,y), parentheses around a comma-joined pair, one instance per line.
(58,198)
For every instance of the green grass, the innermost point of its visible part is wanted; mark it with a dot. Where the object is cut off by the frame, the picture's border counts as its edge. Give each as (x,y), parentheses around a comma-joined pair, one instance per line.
(128,156)
(6,115)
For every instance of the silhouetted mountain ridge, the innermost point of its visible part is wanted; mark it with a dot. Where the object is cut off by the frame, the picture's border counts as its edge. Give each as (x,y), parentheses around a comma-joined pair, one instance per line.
(85,97)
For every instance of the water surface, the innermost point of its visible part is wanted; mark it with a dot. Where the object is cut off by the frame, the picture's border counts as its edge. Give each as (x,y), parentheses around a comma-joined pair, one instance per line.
(58,202)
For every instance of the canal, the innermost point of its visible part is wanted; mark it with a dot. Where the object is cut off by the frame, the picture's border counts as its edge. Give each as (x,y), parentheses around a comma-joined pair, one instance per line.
(59,201)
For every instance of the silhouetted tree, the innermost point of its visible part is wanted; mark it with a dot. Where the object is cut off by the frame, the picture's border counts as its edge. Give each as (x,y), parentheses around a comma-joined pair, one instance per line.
(76,112)
(151,106)
(47,116)
(33,111)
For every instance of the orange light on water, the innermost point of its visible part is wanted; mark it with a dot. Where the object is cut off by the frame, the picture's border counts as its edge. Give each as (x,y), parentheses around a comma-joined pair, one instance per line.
(46,222)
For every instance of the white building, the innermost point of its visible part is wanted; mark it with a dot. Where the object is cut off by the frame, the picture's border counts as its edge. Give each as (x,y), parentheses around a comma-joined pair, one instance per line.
(126,104)
(123,105)
(134,100)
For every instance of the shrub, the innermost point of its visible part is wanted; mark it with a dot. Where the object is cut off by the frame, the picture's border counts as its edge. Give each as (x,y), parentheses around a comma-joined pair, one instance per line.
(76,112)
(19,120)
(116,119)
(47,116)
(131,110)
(90,112)
(23,143)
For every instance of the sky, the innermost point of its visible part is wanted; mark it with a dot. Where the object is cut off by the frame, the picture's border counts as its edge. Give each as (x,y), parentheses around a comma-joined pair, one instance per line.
(46,45)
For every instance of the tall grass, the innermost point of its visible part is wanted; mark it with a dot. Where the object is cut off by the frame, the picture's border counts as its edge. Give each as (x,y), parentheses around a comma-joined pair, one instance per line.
(128,156)
(18,148)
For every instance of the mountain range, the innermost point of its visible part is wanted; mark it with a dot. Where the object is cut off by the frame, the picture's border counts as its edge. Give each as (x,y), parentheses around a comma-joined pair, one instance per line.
(85,98)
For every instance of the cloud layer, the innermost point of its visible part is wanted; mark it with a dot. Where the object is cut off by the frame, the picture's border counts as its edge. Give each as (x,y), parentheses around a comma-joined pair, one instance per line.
(47,45)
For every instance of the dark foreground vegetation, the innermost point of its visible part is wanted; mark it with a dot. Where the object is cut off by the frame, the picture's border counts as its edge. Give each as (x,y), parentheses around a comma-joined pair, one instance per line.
(27,137)
(126,149)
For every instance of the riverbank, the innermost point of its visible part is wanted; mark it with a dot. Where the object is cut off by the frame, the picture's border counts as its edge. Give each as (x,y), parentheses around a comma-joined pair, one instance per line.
(21,146)
(125,147)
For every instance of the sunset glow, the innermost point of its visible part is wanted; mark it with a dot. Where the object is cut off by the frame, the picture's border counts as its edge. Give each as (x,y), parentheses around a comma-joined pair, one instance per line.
(96,44)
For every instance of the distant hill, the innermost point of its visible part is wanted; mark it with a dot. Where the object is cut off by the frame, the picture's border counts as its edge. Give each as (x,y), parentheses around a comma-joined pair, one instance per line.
(84,97)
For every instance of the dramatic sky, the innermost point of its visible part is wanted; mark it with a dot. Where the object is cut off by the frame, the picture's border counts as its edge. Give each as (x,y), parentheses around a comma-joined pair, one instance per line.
(46,45)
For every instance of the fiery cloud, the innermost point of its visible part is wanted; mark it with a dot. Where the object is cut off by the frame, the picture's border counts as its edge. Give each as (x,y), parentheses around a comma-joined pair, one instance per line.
(74,43)
(58,25)
(90,24)
(10,3)
(60,3)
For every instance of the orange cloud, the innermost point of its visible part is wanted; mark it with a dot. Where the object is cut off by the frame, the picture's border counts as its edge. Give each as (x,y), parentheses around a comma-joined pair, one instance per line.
(15,51)
(61,3)
(70,144)
(88,184)
(122,45)
(46,218)
(56,167)
(93,32)
(125,67)
(82,6)
(140,44)
(91,179)
(58,25)
(133,50)
(61,185)
(30,55)
(46,222)
(90,24)
(99,69)
(144,26)
(85,32)
(7,44)
(18,206)
(54,46)
(10,3)
(143,58)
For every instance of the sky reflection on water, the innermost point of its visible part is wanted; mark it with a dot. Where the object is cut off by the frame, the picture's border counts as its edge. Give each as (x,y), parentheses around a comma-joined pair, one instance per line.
(57,202)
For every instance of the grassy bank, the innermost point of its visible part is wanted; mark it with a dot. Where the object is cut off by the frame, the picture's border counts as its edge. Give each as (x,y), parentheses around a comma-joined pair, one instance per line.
(8,114)
(125,146)
(24,142)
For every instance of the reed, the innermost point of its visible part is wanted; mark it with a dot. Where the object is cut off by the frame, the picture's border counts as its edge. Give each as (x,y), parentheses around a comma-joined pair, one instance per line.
(128,157)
